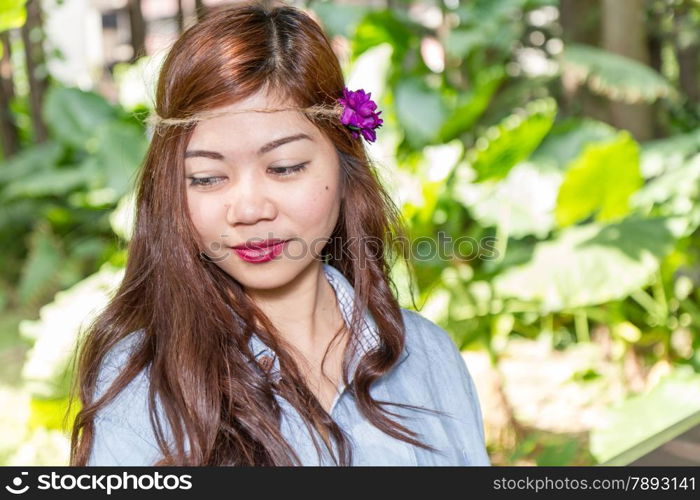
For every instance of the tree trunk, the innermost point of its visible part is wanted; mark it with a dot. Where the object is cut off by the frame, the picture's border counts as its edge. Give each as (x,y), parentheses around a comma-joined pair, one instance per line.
(624,33)
(688,54)
(200,9)
(8,129)
(37,73)
(580,22)
(138,30)
(656,40)
(180,17)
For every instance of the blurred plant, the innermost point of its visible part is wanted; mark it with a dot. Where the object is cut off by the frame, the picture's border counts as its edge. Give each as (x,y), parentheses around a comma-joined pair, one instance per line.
(12,15)
(57,196)
(582,234)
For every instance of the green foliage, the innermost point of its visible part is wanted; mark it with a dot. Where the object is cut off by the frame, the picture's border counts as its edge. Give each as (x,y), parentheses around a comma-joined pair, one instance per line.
(379,27)
(56,331)
(12,15)
(520,205)
(41,267)
(672,152)
(574,225)
(511,141)
(467,107)
(51,414)
(614,76)
(75,117)
(57,195)
(589,265)
(420,110)
(645,416)
(567,139)
(570,224)
(340,20)
(30,162)
(50,182)
(492,24)
(600,182)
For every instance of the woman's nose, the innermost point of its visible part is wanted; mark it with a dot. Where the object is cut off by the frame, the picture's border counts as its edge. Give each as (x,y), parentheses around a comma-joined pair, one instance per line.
(249,202)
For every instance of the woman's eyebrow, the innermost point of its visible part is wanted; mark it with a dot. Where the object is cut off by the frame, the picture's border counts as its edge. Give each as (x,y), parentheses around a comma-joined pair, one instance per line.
(263,150)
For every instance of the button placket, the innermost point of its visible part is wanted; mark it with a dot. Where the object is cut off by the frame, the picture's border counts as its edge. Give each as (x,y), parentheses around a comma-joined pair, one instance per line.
(268,361)
(265,362)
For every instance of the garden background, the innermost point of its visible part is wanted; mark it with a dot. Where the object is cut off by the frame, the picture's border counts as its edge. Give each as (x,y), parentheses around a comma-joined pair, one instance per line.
(560,136)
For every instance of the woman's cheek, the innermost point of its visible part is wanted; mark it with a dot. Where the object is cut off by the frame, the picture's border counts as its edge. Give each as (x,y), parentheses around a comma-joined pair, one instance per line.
(314,207)
(201,217)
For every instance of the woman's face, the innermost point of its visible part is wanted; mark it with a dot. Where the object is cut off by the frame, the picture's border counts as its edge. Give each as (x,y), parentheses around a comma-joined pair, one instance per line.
(257,176)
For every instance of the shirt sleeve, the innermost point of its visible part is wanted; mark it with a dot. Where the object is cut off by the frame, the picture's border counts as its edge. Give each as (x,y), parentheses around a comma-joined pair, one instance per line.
(453,389)
(475,445)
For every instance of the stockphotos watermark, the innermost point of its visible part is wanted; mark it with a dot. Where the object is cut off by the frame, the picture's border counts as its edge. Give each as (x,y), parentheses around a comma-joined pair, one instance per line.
(101,482)
(424,248)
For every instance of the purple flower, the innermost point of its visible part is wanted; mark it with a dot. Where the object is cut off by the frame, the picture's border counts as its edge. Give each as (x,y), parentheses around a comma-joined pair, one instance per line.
(359,115)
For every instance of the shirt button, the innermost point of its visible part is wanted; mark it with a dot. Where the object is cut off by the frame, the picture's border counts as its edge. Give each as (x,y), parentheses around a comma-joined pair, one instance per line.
(265,362)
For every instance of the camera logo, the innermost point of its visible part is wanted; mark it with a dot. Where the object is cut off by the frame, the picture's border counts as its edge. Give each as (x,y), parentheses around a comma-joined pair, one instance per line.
(17,482)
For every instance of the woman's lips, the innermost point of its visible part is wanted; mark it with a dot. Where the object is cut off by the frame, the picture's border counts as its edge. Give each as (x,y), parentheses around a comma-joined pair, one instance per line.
(265,253)
(255,245)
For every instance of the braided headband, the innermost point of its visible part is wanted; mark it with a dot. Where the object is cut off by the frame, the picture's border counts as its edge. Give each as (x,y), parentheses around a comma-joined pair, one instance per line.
(355,109)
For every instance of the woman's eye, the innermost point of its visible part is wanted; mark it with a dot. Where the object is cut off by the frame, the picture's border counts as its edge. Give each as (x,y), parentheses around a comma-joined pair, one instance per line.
(285,171)
(204,181)
(278,171)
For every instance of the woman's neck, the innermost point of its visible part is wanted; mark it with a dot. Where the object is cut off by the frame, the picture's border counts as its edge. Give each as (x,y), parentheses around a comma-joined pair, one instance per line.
(305,312)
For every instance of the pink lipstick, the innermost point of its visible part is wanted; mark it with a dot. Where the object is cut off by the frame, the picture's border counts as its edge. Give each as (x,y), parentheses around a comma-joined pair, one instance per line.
(259,251)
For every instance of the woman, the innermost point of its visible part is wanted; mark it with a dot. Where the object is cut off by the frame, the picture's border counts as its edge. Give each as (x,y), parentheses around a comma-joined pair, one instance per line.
(255,324)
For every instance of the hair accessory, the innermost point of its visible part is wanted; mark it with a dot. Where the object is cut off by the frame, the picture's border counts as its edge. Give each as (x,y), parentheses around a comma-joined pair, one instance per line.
(358,114)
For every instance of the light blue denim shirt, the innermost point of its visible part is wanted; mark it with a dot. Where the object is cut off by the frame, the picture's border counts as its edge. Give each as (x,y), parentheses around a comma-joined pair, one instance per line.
(430,373)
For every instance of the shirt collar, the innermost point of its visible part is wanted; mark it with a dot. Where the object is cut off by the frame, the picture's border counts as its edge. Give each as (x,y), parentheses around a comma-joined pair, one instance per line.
(369,338)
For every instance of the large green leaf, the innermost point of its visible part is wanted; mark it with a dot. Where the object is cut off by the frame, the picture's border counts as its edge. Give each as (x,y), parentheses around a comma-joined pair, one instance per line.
(590,265)
(600,182)
(462,41)
(51,413)
(668,153)
(513,140)
(614,76)
(12,15)
(379,27)
(340,20)
(520,205)
(75,117)
(56,331)
(14,217)
(121,149)
(632,426)
(468,107)
(678,187)
(56,182)
(566,140)
(30,162)
(675,192)
(88,123)
(492,24)
(420,110)
(41,265)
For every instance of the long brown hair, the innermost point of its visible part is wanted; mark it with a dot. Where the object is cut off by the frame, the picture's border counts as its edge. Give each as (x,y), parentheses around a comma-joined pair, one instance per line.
(195,353)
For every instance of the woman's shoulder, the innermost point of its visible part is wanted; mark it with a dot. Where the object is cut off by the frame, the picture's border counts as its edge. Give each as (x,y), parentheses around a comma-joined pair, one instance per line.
(440,378)
(433,356)
(113,364)
(427,339)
